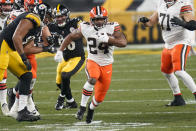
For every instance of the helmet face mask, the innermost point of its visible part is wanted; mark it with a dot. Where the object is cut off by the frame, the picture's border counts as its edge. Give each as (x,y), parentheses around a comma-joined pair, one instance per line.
(98,17)
(61,15)
(6,6)
(170,2)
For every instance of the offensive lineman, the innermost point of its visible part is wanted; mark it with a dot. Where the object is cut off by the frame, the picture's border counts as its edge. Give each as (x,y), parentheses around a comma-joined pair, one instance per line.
(177,44)
(101,37)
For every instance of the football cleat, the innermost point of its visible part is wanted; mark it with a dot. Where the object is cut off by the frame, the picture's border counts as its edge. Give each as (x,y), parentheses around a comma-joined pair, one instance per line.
(79,115)
(71,105)
(89,116)
(178,101)
(25,115)
(11,97)
(4,109)
(60,101)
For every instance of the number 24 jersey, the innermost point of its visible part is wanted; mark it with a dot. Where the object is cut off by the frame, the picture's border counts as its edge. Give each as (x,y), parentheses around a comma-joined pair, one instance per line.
(99,52)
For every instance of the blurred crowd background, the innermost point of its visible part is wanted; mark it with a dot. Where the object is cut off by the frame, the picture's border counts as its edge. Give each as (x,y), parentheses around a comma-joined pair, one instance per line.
(126,12)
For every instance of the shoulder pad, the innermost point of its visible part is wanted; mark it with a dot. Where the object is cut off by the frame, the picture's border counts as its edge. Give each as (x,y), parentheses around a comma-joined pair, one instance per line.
(34,18)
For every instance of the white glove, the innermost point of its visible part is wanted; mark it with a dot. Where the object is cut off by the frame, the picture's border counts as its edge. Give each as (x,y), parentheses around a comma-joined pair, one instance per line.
(59,56)
(103,38)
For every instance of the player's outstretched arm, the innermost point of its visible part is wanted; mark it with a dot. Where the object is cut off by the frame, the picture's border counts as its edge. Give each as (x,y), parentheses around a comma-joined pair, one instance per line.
(148,22)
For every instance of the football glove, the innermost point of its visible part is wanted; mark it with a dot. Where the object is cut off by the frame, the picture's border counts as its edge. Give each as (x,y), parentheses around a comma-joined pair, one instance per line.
(59,56)
(177,21)
(26,61)
(102,37)
(50,40)
(143,20)
(49,48)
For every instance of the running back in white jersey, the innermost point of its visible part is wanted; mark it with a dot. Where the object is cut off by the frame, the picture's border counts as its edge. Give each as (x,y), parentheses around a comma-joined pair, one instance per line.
(173,34)
(98,52)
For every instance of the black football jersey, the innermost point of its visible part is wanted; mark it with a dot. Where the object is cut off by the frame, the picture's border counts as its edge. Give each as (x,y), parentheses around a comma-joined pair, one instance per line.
(8,31)
(75,48)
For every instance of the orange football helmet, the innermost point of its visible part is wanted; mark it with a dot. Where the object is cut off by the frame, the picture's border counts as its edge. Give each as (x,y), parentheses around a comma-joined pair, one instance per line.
(30,4)
(6,6)
(98,12)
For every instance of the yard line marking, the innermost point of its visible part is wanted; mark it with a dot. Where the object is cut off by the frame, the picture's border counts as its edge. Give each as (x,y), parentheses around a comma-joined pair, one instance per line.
(95,125)
(188,101)
(117,71)
(122,113)
(80,90)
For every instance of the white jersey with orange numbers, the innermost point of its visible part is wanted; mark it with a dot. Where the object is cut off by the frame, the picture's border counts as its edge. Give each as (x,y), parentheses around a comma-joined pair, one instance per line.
(173,34)
(98,52)
(2,22)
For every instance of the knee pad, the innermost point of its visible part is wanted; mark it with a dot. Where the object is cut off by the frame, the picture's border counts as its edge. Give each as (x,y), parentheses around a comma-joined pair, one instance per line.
(92,81)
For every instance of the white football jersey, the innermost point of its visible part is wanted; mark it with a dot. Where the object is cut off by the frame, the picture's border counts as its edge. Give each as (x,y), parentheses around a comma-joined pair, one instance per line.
(98,52)
(2,22)
(13,15)
(173,34)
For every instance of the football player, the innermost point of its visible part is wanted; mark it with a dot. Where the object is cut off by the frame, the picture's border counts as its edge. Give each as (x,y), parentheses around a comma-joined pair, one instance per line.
(29,49)
(12,55)
(73,55)
(6,7)
(101,37)
(177,43)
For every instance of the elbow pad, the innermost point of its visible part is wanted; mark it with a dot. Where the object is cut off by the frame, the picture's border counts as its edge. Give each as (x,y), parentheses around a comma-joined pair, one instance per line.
(191,25)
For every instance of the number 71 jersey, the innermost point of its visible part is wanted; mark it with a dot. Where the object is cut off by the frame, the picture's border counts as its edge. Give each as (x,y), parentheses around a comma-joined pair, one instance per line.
(101,53)
(173,34)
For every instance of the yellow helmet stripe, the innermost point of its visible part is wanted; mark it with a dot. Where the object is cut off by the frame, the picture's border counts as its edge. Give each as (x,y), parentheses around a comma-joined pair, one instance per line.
(57,9)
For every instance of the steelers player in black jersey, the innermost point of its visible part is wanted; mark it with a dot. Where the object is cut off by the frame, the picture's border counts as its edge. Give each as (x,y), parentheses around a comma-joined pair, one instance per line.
(74,56)
(12,55)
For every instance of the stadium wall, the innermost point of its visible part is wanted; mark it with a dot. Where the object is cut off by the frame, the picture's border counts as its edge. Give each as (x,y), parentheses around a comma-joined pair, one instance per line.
(135,33)
(126,12)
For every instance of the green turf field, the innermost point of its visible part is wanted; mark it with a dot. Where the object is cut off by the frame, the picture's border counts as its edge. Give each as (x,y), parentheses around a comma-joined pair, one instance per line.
(135,101)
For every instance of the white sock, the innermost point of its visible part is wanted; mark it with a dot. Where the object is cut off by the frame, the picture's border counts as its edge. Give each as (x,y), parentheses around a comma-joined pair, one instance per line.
(71,100)
(87,87)
(187,80)
(31,105)
(173,83)
(15,105)
(22,102)
(94,103)
(3,95)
